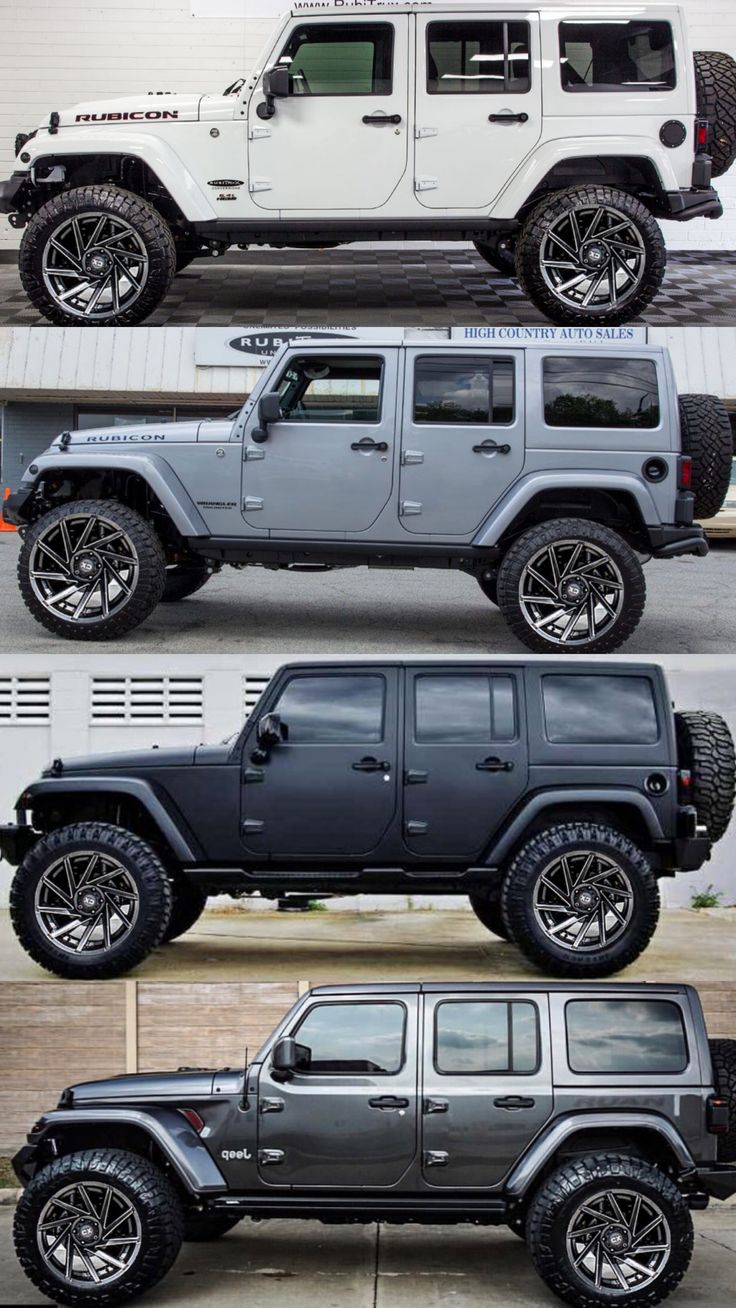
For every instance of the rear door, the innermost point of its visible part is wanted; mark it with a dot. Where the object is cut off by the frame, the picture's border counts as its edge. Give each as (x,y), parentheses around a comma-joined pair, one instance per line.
(465,761)
(462,437)
(487,1084)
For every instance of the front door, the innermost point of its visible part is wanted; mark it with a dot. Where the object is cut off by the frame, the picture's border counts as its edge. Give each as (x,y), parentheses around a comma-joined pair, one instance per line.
(330,788)
(348,1116)
(465,761)
(487,1085)
(340,140)
(462,438)
(478,105)
(327,466)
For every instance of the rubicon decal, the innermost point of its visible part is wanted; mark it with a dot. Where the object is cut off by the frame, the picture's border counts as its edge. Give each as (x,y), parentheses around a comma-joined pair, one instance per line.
(129,116)
(120,436)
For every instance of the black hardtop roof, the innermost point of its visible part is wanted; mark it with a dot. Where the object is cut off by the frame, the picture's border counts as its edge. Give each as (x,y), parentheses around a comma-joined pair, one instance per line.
(603,988)
(576,664)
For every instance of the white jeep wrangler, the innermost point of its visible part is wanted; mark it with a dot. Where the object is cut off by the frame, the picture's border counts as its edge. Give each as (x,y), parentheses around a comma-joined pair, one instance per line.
(553,138)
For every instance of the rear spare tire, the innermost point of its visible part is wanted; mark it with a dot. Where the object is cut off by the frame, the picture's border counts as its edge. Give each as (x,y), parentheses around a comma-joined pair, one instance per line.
(723,1055)
(705,431)
(715,89)
(705,748)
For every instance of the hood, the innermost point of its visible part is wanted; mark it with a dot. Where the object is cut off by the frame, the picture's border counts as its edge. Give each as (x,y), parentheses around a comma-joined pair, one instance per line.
(135,110)
(187,1084)
(133,434)
(177,757)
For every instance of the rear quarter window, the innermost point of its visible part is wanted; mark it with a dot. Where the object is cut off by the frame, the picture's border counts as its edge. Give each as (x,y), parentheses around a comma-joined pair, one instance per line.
(625,1036)
(581,709)
(617,56)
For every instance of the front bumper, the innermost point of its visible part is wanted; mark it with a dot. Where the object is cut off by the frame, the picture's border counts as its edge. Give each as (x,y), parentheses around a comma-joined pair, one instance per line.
(9,192)
(25,1163)
(15,842)
(696,203)
(14,505)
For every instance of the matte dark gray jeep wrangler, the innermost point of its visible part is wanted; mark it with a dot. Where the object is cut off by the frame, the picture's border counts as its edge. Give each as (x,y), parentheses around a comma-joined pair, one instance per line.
(554,793)
(589,1119)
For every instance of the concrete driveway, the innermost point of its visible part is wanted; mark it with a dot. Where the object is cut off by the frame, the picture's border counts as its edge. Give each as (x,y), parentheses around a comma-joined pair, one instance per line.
(263,1264)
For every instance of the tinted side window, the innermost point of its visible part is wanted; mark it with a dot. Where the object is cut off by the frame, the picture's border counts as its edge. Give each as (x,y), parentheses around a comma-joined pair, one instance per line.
(486,1036)
(331,710)
(600,392)
(477,58)
(625,1035)
(340,59)
(352,1038)
(616,56)
(464,710)
(464,390)
(580,710)
(323,388)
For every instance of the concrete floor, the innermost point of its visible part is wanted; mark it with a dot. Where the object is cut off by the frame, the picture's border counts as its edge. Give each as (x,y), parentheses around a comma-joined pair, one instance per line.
(383,1267)
(412,945)
(691,609)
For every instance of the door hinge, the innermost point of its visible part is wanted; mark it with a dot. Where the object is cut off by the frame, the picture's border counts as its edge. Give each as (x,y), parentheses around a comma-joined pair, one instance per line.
(271,1105)
(417,828)
(435,1158)
(414,777)
(251,503)
(259,184)
(268,1157)
(436,1105)
(252,452)
(253,775)
(258,133)
(250,825)
(410,506)
(426,183)
(420,132)
(412,456)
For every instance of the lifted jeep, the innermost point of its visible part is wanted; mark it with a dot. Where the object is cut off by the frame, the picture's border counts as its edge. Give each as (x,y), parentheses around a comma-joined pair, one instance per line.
(554,794)
(590,1120)
(546,473)
(553,140)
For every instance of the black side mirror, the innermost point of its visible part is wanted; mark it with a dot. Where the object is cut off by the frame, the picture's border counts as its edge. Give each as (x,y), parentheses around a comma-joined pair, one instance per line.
(269,410)
(284,1058)
(271,731)
(276,86)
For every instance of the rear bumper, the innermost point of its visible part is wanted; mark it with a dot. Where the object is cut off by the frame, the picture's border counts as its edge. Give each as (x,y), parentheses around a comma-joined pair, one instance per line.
(699,202)
(718,1180)
(667,542)
(15,842)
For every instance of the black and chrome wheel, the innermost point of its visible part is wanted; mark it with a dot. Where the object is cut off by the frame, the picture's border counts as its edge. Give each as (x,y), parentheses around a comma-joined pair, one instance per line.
(97,256)
(90,900)
(91,570)
(99,1226)
(580,899)
(610,1228)
(572,586)
(592,255)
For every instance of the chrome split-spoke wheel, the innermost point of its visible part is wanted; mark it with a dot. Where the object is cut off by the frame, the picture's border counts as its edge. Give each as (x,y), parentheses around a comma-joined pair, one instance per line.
(86,902)
(89,1233)
(95,265)
(571,592)
(619,1240)
(593,257)
(583,900)
(83,568)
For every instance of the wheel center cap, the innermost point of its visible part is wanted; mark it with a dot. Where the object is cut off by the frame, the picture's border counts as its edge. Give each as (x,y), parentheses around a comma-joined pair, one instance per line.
(87,1231)
(615,1239)
(85,566)
(594,255)
(586,899)
(89,900)
(97,263)
(574,590)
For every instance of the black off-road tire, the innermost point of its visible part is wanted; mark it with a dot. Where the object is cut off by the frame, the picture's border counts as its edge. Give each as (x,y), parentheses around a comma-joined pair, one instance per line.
(517,900)
(159,1211)
(705,748)
(151,572)
(723,1056)
(139,861)
(555,1202)
(706,435)
(185,579)
(531,237)
(487,909)
(200,1228)
(489,586)
(188,906)
(715,89)
(500,252)
(98,198)
(537,537)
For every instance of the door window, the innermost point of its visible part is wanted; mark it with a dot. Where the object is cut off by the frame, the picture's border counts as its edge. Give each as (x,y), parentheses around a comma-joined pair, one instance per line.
(464,710)
(325,388)
(340,59)
(333,710)
(352,1039)
(625,1036)
(487,1036)
(600,392)
(477,58)
(616,56)
(599,710)
(464,391)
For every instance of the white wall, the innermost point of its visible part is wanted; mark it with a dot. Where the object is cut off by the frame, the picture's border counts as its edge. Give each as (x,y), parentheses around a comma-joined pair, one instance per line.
(55,54)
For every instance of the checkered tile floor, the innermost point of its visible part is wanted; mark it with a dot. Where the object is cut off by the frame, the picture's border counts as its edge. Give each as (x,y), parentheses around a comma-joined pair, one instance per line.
(409,286)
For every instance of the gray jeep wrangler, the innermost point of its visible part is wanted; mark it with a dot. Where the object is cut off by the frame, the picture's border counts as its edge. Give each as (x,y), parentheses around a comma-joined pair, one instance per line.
(555,794)
(591,1120)
(547,474)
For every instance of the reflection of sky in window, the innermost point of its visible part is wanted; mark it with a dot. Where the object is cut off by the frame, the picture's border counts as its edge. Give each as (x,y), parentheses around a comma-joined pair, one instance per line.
(599,709)
(474,1037)
(616,1035)
(372,1033)
(468,389)
(331,709)
(464,709)
(631,387)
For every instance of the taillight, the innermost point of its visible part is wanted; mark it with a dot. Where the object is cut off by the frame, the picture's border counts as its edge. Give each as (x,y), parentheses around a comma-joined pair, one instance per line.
(685,472)
(701,135)
(193,1119)
(685,786)
(717,1115)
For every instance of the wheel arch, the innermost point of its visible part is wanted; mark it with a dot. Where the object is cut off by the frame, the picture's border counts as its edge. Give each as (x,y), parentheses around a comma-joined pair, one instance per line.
(625,809)
(126,801)
(583,161)
(622,499)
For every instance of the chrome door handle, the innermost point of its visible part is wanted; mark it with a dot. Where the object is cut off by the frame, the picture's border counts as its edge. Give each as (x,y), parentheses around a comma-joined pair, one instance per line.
(494,765)
(513,1102)
(377,120)
(491,447)
(368,443)
(508,118)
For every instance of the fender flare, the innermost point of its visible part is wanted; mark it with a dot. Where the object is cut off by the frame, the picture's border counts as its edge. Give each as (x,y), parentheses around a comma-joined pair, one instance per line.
(176,832)
(564,149)
(541,1150)
(549,798)
(171,1132)
(157,473)
(508,508)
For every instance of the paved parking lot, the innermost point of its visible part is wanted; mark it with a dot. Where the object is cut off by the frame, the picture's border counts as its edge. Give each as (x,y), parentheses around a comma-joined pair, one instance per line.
(691,609)
(411,285)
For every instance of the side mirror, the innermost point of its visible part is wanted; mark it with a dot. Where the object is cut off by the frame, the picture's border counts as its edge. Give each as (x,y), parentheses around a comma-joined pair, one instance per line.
(284,1058)
(271,731)
(269,410)
(276,86)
